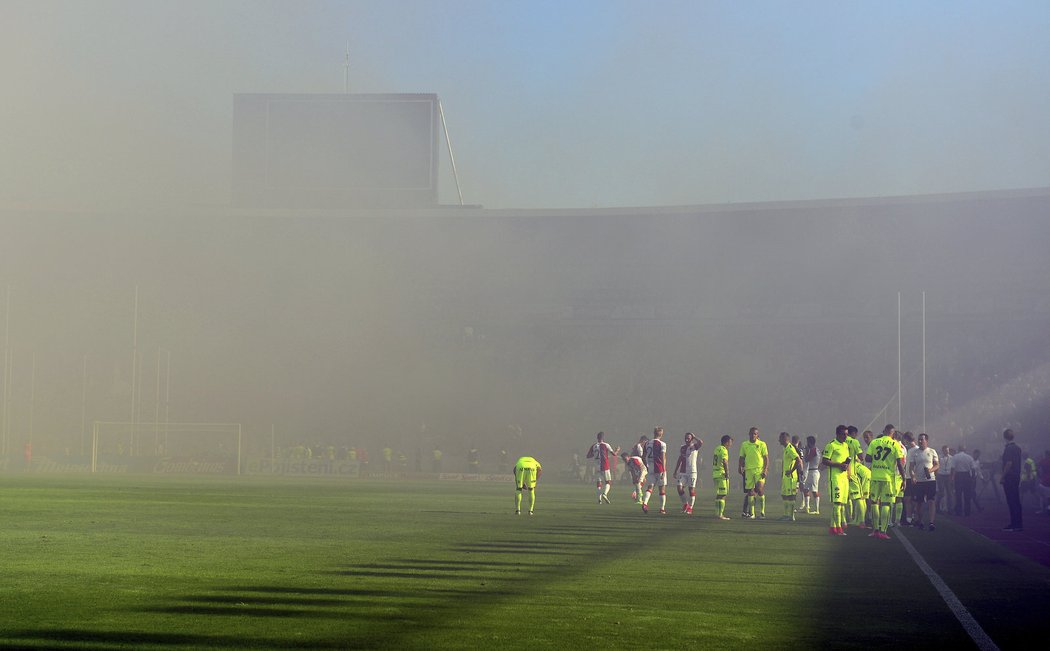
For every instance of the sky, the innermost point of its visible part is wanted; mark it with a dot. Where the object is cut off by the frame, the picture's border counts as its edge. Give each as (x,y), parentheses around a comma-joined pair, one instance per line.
(548,104)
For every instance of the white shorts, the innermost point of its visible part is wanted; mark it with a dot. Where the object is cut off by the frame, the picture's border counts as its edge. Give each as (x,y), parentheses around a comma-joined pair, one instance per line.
(658,478)
(638,476)
(687,479)
(812,482)
(605,474)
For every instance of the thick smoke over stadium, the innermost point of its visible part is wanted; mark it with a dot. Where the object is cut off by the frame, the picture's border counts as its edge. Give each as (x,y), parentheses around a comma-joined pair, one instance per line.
(455,328)
(543,317)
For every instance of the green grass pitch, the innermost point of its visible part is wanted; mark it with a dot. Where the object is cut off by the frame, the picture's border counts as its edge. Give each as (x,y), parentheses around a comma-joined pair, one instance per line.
(243,563)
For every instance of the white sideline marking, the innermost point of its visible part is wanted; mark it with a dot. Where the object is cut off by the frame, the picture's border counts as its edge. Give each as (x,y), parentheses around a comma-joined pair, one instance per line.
(976,633)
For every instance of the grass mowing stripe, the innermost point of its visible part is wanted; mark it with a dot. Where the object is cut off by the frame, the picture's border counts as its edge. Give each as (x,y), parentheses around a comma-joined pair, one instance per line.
(136,562)
(976,633)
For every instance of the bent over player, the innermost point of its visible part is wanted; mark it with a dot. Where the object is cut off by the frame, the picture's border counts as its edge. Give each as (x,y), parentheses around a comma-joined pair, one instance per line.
(636,467)
(527,472)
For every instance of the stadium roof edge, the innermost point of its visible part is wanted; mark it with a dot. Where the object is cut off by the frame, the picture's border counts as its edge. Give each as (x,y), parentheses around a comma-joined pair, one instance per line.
(476,210)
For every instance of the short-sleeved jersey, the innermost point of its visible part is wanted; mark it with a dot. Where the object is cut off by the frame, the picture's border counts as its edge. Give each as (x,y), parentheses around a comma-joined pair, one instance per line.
(656,455)
(528,463)
(811,459)
(687,458)
(638,451)
(836,452)
(635,464)
(601,451)
(920,461)
(884,453)
(855,450)
(1029,470)
(719,461)
(753,454)
(790,456)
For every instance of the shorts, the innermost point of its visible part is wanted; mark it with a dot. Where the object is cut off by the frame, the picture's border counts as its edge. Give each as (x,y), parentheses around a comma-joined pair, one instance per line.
(752,478)
(898,486)
(658,478)
(854,486)
(605,475)
(687,479)
(812,483)
(864,481)
(524,478)
(721,486)
(909,488)
(789,485)
(883,491)
(838,487)
(924,491)
(638,476)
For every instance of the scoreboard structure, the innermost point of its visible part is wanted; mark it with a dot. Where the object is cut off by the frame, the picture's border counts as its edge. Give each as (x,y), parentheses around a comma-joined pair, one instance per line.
(332,151)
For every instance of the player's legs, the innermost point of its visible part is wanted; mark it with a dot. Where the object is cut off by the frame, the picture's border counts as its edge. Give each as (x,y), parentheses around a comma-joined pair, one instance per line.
(721,491)
(760,497)
(519,482)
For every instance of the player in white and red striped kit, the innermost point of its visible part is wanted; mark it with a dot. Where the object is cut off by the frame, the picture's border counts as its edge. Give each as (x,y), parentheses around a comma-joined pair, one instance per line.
(602,453)
(636,466)
(685,471)
(656,456)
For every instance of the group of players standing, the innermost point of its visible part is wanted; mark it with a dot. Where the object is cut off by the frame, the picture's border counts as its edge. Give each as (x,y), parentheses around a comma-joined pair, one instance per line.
(851,485)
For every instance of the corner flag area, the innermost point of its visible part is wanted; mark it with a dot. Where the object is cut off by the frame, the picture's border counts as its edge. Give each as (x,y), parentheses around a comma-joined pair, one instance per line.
(107,562)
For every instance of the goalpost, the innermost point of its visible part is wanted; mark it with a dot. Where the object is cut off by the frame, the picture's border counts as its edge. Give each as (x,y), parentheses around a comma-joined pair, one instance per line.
(201,440)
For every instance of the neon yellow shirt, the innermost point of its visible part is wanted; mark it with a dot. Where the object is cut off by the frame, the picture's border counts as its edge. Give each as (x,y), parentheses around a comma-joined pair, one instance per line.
(718,463)
(884,453)
(836,452)
(790,456)
(753,454)
(854,450)
(528,463)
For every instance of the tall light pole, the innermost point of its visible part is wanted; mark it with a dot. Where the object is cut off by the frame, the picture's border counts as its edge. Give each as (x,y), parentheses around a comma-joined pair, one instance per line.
(134,372)
(83,407)
(346,70)
(5,396)
(900,396)
(924,361)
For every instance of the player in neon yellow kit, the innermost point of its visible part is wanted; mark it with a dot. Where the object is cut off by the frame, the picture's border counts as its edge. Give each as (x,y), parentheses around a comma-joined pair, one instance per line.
(789,480)
(855,453)
(720,476)
(836,459)
(527,472)
(754,462)
(863,494)
(887,470)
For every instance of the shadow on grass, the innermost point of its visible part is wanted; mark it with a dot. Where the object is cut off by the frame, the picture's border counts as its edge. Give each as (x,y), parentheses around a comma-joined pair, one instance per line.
(409,602)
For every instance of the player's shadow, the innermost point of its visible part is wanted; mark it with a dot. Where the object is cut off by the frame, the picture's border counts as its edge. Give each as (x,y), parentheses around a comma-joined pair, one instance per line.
(392,603)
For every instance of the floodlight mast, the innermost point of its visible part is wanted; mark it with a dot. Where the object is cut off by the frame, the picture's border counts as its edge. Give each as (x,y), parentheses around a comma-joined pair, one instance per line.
(346,70)
(451,156)
(134,372)
(6,394)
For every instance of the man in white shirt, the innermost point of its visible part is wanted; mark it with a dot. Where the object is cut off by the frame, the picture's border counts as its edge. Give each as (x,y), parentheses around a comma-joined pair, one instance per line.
(963,475)
(685,471)
(923,464)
